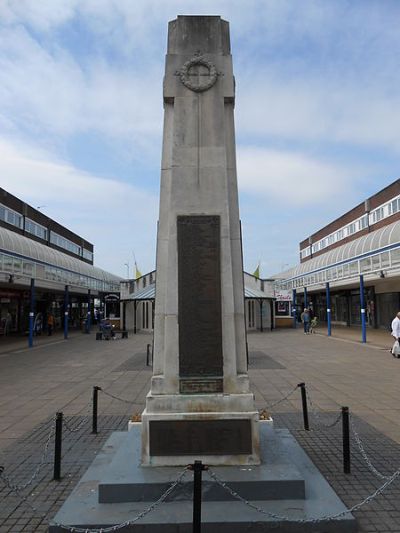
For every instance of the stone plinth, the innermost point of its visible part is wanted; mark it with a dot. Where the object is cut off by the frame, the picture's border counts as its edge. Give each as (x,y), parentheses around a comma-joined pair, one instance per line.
(286,484)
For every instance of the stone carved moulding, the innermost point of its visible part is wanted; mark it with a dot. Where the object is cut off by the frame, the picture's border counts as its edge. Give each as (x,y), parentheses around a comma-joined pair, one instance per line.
(198,74)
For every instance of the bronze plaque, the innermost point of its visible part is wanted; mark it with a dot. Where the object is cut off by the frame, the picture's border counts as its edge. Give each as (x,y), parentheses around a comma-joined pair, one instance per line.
(199,296)
(200,437)
(201,386)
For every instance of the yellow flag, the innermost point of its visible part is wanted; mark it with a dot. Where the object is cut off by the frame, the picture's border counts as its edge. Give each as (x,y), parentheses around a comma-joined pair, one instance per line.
(256,273)
(138,273)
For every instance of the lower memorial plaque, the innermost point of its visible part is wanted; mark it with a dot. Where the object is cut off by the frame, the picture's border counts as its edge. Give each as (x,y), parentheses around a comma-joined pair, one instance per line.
(205,437)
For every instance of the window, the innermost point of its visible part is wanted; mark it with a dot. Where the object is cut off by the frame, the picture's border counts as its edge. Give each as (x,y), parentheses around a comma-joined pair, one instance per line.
(11,217)
(363,222)
(36,229)
(7,263)
(351,228)
(250,307)
(86,254)
(365,264)
(376,262)
(394,206)
(62,242)
(395,256)
(377,215)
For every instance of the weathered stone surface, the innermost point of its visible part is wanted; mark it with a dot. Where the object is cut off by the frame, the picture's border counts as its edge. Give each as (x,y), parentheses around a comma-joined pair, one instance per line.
(199,329)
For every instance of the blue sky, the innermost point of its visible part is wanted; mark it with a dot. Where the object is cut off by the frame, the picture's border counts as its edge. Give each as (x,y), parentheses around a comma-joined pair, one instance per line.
(317,115)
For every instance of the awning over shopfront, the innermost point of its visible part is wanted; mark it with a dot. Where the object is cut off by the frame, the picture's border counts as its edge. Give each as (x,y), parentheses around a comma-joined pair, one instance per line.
(149,293)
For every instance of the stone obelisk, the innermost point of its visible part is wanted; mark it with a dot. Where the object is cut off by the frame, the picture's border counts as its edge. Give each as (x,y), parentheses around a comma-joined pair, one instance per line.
(199,405)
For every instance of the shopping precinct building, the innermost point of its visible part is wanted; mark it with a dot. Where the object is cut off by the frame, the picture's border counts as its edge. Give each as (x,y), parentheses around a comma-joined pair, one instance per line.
(37,251)
(360,248)
(138,297)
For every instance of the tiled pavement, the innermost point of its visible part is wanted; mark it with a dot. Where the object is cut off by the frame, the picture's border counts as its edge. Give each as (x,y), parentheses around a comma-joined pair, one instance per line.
(59,376)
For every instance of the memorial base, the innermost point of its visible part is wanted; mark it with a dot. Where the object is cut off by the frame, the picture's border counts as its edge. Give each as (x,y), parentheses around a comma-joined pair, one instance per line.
(116,489)
(218,429)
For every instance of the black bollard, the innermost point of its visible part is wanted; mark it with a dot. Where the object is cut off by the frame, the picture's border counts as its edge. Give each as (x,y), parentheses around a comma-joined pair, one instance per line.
(57,447)
(305,408)
(94,405)
(197,468)
(346,440)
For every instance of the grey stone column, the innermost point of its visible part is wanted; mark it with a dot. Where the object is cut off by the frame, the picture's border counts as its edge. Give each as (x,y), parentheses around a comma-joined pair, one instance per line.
(199,196)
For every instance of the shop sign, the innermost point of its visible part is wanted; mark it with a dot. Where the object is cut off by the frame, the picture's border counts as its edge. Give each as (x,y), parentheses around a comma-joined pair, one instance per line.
(111,297)
(283,295)
(8,294)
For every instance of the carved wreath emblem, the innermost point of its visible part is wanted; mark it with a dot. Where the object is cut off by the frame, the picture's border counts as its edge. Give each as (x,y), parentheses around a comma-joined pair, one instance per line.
(196,78)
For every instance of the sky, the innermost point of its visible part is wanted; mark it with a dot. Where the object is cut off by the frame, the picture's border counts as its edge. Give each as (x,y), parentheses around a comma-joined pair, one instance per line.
(317,116)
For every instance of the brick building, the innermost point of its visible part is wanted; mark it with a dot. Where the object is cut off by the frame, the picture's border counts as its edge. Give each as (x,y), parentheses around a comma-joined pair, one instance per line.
(365,242)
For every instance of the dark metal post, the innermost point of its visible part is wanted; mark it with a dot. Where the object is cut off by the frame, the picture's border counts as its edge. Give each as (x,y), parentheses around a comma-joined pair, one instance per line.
(197,475)
(346,440)
(328,308)
(134,316)
(94,405)
(66,307)
(304,403)
(294,309)
(305,298)
(363,317)
(89,314)
(261,315)
(31,313)
(124,316)
(57,447)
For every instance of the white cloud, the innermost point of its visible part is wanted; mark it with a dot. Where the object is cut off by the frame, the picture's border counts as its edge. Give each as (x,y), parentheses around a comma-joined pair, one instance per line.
(291,178)
(48,91)
(115,216)
(325,111)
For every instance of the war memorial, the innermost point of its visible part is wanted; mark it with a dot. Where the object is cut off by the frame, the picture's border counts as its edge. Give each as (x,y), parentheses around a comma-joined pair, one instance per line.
(200,406)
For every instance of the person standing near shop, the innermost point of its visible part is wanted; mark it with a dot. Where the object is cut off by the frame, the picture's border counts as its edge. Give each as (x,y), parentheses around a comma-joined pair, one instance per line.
(396,334)
(305,318)
(50,323)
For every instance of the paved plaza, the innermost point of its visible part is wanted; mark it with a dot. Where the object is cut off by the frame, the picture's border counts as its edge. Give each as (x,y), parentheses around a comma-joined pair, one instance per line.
(58,375)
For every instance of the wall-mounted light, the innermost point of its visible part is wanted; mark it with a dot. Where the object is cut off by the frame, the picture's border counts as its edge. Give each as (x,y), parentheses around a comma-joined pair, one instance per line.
(381,274)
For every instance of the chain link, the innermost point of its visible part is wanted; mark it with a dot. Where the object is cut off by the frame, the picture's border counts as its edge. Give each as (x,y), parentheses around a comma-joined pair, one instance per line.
(364,453)
(320,423)
(8,483)
(271,405)
(116,527)
(37,469)
(117,398)
(87,409)
(355,507)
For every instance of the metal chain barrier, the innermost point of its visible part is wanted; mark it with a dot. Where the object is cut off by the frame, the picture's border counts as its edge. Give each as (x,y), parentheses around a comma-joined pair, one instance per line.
(364,453)
(355,507)
(16,488)
(320,423)
(146,511)
(271,405)
(87,409)
(8,483)
(116,398)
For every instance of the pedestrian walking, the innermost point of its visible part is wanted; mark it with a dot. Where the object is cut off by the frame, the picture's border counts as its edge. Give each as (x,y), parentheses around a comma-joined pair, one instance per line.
(305,318)
(396,334)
